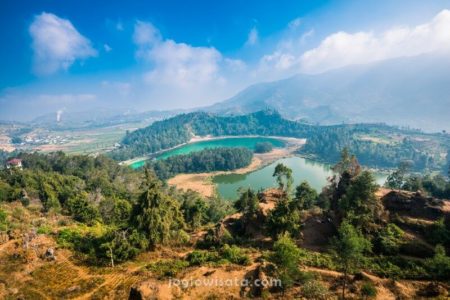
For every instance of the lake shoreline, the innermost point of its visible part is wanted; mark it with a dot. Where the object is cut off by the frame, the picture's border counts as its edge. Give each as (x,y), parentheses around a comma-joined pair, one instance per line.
(203,183)
(197,139)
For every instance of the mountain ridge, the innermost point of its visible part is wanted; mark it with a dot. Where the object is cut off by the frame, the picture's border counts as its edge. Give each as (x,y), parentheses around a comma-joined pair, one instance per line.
(397,92)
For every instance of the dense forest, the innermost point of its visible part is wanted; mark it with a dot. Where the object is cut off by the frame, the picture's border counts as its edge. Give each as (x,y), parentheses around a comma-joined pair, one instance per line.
(323,142)
(263,147)
(207,160)
(177,130)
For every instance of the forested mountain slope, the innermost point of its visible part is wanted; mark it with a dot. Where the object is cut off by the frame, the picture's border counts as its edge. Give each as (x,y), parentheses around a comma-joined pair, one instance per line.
(376,145)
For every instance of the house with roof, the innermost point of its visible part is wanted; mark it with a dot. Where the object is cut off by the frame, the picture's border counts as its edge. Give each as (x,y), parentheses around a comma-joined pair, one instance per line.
(15,163)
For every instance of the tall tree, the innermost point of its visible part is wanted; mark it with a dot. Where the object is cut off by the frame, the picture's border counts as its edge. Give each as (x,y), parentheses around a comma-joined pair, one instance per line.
(283,175)
(284,218)
(348,163)
(345,170)
(360,204)
(286,257)
(156,214)
(397,179)
(348,249)
(248,205)
(305,196)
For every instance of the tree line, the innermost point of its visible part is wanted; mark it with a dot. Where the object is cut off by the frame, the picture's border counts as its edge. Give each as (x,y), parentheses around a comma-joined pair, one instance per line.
(207,160)
(323,142)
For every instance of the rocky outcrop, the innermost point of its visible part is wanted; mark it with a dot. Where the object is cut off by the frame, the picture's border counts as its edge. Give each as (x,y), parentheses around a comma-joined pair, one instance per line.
(433,289)
(414,205)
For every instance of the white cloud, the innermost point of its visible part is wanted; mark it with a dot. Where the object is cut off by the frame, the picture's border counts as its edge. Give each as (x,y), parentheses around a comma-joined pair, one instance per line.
(279,61)
(57,44)
(342,48)
(146,35)
(306,36)
(235,64)
(183,75)
(253,37)
(177,64)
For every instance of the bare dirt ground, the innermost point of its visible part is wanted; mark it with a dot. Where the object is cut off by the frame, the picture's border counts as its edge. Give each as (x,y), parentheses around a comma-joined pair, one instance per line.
(202,182)
(5,144)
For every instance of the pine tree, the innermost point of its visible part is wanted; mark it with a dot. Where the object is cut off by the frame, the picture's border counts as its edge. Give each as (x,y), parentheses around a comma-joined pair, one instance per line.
(248,205)
(360,204)
(348,250)
(156,214)
(305,196)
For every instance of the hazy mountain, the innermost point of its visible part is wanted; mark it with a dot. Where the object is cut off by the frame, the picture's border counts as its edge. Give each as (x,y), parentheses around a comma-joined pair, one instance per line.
(413,91)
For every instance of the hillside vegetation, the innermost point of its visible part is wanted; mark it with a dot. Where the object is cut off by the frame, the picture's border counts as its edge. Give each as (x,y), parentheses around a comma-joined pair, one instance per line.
(87,227)
(375,145)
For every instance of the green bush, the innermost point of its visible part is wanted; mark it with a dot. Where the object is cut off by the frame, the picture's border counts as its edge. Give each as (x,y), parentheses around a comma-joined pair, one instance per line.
(389,240)
(314,289)
(234,254)
(167,268)
(286,257)
(200,257)
(397,267)
(44,229)
(368,290)
(3,220)
(317,259)
(82,210)
(440,264)
(69,237)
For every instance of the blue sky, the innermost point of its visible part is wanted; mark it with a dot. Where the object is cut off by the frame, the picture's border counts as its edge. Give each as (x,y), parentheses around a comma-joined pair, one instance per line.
(148,55)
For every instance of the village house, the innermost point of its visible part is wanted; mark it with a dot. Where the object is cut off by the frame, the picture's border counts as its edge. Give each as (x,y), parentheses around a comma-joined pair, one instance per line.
(15,163)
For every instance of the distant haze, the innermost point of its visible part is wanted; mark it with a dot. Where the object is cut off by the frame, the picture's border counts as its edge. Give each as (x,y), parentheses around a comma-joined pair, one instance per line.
(412,91)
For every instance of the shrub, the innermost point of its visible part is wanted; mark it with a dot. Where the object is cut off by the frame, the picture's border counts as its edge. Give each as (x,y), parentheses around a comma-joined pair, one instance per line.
(69,237)
(167,268)
(368,290)
(317,259)
(389,240)
(314,289)
(439,234)
(235,255)
(439,264)
(216,237)
(44,229)
(81,210)
(286,257)
(3,220)
(179,238)
(397,267)
(200,257)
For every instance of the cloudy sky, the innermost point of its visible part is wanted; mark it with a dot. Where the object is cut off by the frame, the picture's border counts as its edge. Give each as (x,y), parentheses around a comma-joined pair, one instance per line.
(152,55)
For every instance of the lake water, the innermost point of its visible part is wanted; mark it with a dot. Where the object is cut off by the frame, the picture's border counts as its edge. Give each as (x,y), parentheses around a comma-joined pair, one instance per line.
(247,142)
(302,169)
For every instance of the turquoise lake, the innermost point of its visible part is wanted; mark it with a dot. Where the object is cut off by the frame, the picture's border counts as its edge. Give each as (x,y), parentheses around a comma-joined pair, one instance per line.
(302,170)
(248,142)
